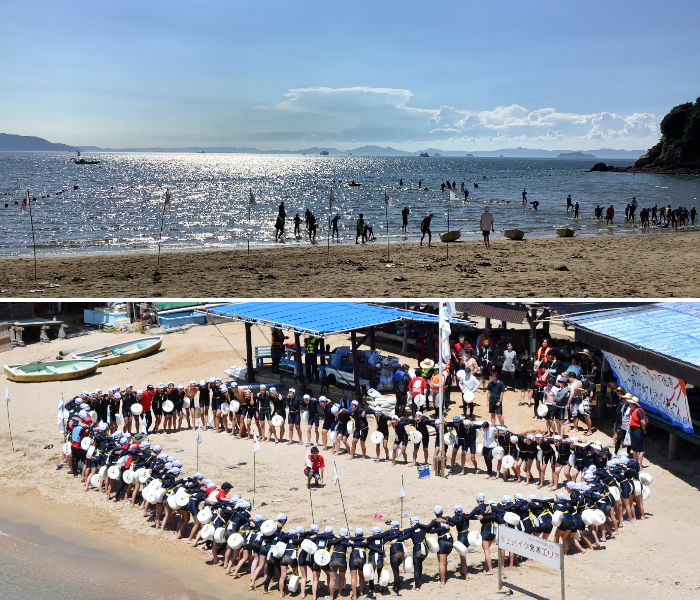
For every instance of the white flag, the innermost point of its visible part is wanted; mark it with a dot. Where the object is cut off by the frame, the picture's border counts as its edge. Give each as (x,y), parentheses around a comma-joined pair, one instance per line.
(256,443)
(336,479)
(332,199)
(167,197)
(60,406)
(446,309)
(199,435)
(108,415)
(7,394)
(144,426)
(388,199)
(402,492)
(25,201)
(251,199)
(453,197)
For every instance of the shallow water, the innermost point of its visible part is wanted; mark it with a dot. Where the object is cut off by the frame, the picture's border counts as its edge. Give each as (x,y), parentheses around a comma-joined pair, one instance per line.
(119,203)
(37,566)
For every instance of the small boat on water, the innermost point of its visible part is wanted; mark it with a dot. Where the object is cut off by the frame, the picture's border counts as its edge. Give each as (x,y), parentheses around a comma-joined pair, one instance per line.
(353,184)
(53,370)
(123,352)
(564,231)
(450,236)
(514,234)
(84,161)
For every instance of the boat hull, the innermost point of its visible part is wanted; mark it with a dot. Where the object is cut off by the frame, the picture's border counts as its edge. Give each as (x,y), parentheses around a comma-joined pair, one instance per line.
(105,356)
(450,236)
(24,373)
(564,232)
(514,234)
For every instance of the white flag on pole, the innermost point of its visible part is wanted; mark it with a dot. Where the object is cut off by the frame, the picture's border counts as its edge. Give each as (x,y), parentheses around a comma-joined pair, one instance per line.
(251,199)
(256,443)
(167,197)
(144,426)
(388,199)
(108,415)
(453,196)
(336,479)
(199,435)
(402,492)
(446,312)
(25,202)
(7,394)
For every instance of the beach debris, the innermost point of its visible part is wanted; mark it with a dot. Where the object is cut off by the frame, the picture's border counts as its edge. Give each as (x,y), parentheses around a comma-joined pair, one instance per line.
(180,450)
(262,485)
(233,466)
(78,279)
(378,515)
(498,270)
(59,467)
(330,520)
(3,291)
(294,489)
(264,503)
(577,255)
(59,278)
(361,268)
(48,446)
(34,446)
(157,277)
(562,268)
(484,264)
(400,278)
(53,458)
(240,464)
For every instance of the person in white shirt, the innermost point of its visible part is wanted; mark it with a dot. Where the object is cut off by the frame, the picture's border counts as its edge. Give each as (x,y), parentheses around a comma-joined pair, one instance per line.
(467,383)
(486,224)
(489,435)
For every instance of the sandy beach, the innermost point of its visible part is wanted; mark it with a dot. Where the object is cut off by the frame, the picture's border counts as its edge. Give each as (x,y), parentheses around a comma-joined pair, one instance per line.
(648,557)
(647,266)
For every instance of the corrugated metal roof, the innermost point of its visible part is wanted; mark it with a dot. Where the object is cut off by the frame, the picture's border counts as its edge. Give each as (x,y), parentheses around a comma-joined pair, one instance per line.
(500,311)
(578,308)
(319,318)
(662,336)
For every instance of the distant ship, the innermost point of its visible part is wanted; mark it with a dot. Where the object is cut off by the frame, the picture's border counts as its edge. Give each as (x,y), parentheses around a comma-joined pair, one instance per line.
(425,154)
(324,152)
(83,161)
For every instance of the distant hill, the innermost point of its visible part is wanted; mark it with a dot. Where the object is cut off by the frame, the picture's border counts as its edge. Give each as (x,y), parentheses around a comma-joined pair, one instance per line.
(576,155)
(678,149)
(26,143)
(23,143)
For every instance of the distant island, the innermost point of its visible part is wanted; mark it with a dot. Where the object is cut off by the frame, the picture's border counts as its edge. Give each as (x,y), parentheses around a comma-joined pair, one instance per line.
(21,143)
(576,155)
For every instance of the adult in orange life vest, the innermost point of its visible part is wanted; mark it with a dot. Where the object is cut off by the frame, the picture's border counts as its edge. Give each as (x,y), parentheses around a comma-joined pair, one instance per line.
(435,378)
(638,429)
(543,352)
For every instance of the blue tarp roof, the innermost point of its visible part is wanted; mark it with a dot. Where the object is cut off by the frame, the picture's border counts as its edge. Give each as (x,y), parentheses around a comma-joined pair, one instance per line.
(319,318)
(671,329)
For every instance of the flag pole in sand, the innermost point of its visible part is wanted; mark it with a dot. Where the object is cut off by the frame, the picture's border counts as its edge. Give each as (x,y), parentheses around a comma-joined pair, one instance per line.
(336,480)
(9,427)
(166,203)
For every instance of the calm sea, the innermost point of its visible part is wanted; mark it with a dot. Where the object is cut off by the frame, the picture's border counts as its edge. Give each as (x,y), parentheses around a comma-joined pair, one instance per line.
(37,566)
(118,204)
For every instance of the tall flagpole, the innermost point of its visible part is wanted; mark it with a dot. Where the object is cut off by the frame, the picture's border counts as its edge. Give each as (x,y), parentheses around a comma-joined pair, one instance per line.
(31,220)
(386,209)
(162,221)
(9,427)
(402,488)
(340,489)
(330,207)
(448,224)
(253,505)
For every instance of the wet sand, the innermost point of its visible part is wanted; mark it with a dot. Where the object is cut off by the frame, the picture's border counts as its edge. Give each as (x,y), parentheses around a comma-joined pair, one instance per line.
(647,266)
(651,557)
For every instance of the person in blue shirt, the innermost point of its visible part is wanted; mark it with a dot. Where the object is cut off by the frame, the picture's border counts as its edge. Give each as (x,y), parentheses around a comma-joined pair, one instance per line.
(416,533)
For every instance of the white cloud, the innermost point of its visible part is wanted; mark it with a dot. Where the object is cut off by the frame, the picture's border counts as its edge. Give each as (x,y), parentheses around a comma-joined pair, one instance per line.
(360,114)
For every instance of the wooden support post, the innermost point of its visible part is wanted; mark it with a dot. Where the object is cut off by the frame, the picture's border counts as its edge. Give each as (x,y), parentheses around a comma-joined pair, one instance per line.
(404,345)
(487,323)
(372,340)
(356,366)
(672,446)
(297,359)
(249,352)
(600,412)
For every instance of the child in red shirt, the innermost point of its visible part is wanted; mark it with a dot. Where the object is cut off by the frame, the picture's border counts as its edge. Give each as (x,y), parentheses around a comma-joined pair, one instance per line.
(314,467)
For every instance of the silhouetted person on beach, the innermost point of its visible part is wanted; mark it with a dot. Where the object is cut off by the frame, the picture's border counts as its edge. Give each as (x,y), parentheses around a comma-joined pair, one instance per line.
(599,212)
(404,218)
(693,214)
(575,210)
(282,211)
(420,183)
(334,230)
(535,204)
(442,186)
(307,215)
(360,229)
(466,194)
(425,229)
(297,224)
(524,195)
(312,226)
(476,185)
(569,203)
(279,227)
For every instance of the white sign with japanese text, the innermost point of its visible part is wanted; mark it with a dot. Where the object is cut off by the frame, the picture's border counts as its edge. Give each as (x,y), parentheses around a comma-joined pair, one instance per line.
(529,546)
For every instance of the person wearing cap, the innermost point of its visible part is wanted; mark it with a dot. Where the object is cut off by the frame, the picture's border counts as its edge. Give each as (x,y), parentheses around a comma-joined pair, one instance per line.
(342,416)
(489,443)
(383,422)
(251,413)
(575,389)
(312,407)
(311,358)
(486,225)
(170,393)
(588,395)
(468,385)
(400,437)
(425,229)
(488,519)
(638,429)
(561,399)
(329,411)
(263,413)
(128,400)
(179,403)
(622,421)
(418,386)
(190,413)
(204,399)
(238,417)
(466,440)
(359,416)
(113,409)
(548,457)
(159,398)
(401,384)
(508,368)
(217,399)
(146,401)
(495,392)
(279,407)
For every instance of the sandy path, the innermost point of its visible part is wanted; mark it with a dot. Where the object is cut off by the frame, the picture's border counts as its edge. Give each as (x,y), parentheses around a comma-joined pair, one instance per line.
(611,266)
(654,556)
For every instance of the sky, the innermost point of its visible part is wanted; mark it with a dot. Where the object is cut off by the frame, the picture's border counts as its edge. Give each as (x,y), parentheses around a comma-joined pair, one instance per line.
(455,75)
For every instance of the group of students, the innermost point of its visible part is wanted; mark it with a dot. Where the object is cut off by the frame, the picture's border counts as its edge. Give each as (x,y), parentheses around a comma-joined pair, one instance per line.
(604,493)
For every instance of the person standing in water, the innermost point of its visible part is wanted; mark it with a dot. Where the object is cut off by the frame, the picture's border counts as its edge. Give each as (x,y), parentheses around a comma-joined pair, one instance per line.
(576,207)
(360,228)
(569,203)
(524,195)
(404,218)
(297,225)
(334,231)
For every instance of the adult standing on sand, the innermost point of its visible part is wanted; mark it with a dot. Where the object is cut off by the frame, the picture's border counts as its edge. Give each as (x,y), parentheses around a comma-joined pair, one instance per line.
(425,228)
(486,225)
(404,219)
